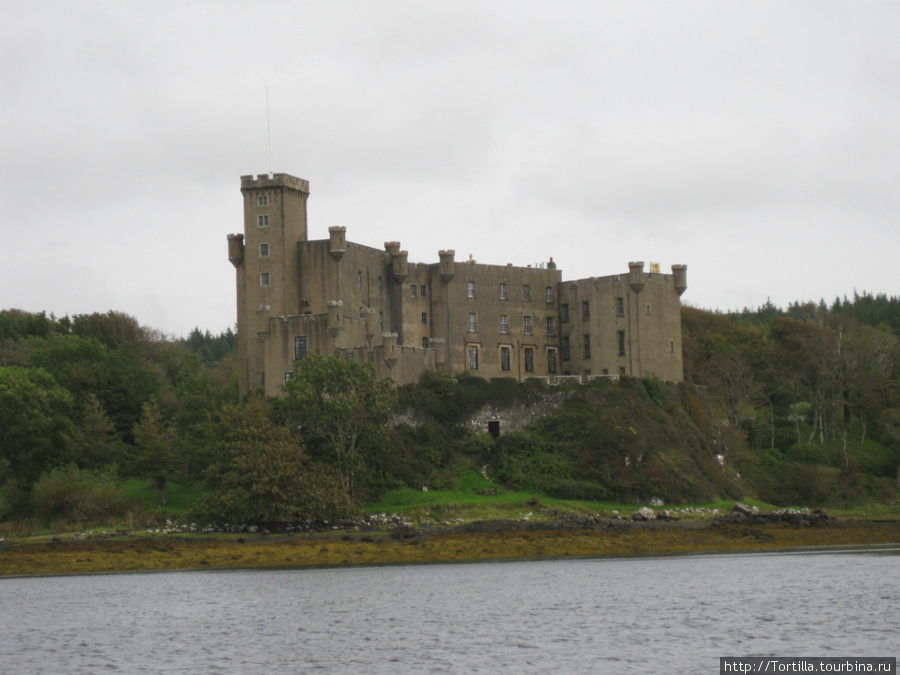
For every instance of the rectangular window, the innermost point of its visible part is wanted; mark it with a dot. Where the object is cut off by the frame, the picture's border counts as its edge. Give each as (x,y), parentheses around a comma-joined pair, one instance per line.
(587,346)
(648,309)
(288,376)
(473,322)
(380,284)
(473,357)
(565,349)
(526,292)
(529,360)
(264,279)
(549,294)
(621,337)
(551,326)
(620,306)
(564,313)
(528,327)
(263,250)
(504,359)
(262,200)
(585,311)
(503,291)
(412,290)
(262,220)
(424,343)
(359,279)
(551,360)
(423,291)
(504,323)
(622,370)
(424,318)
(301,347)
(470,289)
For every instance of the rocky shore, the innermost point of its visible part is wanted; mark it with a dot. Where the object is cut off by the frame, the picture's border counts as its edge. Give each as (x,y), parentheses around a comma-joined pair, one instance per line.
(390,539)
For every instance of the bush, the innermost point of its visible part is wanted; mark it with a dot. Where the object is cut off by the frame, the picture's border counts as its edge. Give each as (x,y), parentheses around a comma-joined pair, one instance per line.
(807,453)
(78,494)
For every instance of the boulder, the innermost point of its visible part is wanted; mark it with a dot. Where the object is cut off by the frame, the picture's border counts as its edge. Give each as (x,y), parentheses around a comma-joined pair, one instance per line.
(644,513)
(745,509)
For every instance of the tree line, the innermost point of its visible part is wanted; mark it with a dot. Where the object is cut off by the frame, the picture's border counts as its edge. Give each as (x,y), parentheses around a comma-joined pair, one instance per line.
(802,403)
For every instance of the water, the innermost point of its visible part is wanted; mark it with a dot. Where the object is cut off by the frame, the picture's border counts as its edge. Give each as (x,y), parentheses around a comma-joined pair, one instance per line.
(645,615)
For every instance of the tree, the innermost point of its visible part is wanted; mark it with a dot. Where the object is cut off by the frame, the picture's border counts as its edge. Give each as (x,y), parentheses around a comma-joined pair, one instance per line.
(263,474)
(154,455)
(94,443)
(35,417)
(340,408)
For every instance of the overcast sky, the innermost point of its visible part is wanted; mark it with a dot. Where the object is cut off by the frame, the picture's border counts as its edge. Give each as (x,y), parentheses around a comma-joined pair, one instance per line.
(756,142)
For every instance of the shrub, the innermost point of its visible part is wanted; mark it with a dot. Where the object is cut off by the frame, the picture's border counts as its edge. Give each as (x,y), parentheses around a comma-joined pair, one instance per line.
(78,494)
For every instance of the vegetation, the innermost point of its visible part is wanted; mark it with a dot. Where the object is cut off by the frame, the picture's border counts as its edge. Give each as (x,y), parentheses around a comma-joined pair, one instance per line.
(791,407)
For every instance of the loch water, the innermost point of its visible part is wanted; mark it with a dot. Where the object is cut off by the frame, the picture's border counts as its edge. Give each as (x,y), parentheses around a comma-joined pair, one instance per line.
(622,615)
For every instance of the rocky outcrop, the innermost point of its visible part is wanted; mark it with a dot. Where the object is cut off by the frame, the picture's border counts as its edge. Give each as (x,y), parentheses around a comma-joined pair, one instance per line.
(741,514)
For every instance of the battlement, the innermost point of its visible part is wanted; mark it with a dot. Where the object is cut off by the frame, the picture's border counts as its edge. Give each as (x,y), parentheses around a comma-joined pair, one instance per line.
(264,180)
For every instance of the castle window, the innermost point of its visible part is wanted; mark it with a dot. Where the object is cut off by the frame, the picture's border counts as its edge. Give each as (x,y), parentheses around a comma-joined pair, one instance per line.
(359,279)
(529,360)
(621,337)
(503,291)
(504,323)
(587,346)
(585,311)
(262,200)
(423,291)
(551,360)
(622,370)
(473,322)
(262,220)
(620,306)
(549,295)
(412,290)
(648,309)
(564,313)
(526,292)
(672,346)
(424,318)
(527,323)
(565,349)
(263,250)
(551,326)
(470,289)
(424,343)
(473,357)
(288,376)
(301,347)
(380,284)
(265,279)
(504,359)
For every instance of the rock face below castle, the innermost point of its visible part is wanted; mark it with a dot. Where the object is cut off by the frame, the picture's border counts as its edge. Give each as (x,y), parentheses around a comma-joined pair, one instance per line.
(331,296)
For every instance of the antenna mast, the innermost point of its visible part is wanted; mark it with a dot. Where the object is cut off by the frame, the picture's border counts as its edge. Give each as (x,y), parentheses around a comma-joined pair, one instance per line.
(269,131)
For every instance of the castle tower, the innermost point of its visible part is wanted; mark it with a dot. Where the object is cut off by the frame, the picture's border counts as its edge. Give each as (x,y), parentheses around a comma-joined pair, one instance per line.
(265,259)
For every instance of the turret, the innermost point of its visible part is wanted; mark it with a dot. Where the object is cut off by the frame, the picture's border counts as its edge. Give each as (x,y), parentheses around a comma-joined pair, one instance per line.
(335,317)
(236,249)
(389,342)
(679,272)
(448,265)
(400,263)
(338,242)
(636,276)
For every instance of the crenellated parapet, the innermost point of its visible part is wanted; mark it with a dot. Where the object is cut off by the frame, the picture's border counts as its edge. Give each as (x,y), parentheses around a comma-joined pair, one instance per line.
(265,180)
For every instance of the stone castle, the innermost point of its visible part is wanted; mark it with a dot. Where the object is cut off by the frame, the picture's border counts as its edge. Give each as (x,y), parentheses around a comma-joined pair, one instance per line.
(296,296)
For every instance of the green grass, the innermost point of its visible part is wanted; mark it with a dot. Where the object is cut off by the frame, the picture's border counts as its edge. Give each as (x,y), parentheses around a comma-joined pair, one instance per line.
(478,498)
(181,496)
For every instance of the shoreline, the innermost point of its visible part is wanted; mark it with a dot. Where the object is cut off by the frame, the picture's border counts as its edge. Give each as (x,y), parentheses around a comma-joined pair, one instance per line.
(475,542)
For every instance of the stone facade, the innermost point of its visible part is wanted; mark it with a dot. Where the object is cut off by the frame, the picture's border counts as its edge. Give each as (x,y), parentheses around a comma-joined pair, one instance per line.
(331,296)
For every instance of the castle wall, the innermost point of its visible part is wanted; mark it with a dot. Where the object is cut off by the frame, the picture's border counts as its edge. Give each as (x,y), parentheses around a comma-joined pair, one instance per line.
(337,297)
